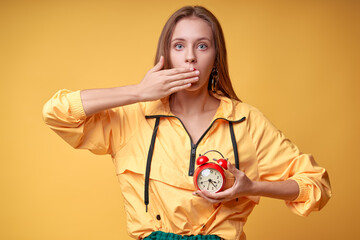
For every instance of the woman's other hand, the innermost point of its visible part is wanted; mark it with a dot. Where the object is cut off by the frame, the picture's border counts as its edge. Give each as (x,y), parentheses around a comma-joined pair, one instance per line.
(242,186)
(159,83)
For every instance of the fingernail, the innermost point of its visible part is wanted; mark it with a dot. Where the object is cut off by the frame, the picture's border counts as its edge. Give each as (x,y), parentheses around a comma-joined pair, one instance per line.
(194,69)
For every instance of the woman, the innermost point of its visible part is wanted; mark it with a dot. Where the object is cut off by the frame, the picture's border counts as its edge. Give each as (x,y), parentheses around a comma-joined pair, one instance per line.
(185,106)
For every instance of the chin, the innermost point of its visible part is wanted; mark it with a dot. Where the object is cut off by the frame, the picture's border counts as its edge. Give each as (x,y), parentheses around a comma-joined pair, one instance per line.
(197,88)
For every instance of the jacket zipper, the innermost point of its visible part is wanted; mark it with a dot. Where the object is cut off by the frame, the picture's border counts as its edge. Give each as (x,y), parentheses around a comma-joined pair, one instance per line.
(194,146)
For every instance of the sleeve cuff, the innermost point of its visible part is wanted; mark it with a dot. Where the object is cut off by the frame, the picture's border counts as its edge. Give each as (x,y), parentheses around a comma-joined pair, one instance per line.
(303,190)
(76,106)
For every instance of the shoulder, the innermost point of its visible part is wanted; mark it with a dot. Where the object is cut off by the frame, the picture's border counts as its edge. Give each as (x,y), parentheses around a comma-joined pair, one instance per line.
(234,110)
(254,118)
(245,108)
(241,109)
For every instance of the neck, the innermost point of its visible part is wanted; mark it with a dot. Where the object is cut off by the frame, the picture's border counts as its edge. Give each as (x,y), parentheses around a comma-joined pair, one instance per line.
(190,103)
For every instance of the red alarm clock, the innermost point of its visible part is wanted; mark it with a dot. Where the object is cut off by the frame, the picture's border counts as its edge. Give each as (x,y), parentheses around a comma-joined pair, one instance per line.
(210,176)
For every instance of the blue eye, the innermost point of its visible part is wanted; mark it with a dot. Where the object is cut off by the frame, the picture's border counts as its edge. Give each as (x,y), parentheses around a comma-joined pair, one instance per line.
(202,46)
(179,46)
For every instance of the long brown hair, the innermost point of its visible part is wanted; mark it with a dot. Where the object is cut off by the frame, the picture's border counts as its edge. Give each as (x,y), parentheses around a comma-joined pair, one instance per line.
(224,86)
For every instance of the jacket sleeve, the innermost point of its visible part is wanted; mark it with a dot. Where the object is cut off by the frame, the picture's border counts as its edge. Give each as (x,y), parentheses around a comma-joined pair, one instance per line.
(101,133)
(279,159)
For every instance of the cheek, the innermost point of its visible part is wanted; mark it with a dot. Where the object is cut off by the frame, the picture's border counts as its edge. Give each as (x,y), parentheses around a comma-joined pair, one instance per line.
(174,59)
(205,73)
(207,64)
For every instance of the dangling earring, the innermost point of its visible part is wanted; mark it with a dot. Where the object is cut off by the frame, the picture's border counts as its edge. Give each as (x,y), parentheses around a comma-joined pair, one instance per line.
(214,79)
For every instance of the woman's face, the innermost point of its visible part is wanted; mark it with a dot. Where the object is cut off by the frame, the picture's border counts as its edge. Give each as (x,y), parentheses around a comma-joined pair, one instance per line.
(192,45)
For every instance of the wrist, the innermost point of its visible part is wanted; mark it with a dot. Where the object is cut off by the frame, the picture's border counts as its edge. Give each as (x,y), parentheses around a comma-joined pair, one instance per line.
(255,189)
(131,92)
(139,93)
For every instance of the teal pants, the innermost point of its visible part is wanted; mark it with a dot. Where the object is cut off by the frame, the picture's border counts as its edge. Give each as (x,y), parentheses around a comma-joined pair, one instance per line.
(171,236)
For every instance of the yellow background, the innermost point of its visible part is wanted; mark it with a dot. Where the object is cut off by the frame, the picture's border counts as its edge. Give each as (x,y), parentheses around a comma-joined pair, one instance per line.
(296,60)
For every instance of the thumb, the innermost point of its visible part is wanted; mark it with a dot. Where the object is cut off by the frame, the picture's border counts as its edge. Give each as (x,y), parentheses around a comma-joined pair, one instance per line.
(232,168)
(159,65)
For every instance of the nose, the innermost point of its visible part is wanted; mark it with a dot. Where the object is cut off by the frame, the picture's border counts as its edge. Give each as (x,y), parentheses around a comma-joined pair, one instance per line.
(190,56)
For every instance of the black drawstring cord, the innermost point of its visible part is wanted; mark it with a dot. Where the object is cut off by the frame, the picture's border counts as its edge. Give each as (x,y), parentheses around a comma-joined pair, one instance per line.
(148,163)
(233,140)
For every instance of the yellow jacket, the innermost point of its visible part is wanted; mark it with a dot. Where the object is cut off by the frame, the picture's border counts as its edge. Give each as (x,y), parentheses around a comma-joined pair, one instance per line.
(126,132)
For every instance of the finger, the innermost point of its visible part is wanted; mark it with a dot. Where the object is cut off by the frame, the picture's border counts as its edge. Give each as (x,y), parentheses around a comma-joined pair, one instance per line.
(202,194)
(183,82)
(233,169)
(174,71)
(181,76)
(159,65)
(179,88)
(221,196)
(196,194)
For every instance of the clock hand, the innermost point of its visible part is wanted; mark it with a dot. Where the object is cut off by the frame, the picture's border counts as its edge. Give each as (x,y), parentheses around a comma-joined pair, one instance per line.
(213,184)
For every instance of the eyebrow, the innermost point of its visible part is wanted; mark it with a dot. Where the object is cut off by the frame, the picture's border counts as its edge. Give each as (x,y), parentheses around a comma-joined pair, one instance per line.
(183,39)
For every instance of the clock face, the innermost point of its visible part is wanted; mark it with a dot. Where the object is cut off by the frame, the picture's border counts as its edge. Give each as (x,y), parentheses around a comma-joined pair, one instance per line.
(210,179)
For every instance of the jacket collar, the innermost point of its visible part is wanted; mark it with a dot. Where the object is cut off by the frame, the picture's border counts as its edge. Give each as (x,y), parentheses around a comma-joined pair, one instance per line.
(227,109)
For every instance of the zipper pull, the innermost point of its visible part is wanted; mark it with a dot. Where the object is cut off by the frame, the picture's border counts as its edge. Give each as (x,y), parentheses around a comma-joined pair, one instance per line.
(192,160)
